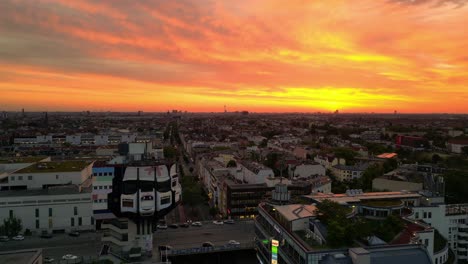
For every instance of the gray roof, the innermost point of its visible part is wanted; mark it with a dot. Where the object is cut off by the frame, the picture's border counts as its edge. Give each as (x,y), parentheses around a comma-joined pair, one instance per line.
(400,256)
(56,190)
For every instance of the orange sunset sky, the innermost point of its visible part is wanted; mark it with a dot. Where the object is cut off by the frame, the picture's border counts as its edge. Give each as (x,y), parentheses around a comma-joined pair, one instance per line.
(255,55)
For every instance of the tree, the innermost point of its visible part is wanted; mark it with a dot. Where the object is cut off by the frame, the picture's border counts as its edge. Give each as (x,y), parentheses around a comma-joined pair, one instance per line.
(369,175)
(465,150)
(348,154)
(169,152)
(436,158)
(11,226)
(329,210)
(231,164)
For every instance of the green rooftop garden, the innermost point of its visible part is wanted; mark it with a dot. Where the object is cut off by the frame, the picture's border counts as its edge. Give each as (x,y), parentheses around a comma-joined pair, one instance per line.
(64,166)
(29,159)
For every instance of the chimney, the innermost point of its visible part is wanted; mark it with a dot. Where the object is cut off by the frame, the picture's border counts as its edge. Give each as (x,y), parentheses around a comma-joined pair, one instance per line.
(359,256)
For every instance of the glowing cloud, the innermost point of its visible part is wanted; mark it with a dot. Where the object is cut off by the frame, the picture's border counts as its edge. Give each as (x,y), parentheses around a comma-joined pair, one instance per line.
(262,55)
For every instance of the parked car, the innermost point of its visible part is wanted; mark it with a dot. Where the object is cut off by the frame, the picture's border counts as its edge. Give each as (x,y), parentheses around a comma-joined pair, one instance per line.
(164,247)
(4,238)
(218,222)
(174,226)
(233,243)
(49,260)
(74,234)
(189,222)
(46,235)
(18,238)
(207,244)
(162,226)
(69,257)
(184,225)
(229,221)
(197,224)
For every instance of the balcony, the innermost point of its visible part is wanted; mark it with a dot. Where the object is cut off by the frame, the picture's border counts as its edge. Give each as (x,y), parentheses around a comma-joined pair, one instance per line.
(107,237)
(117,226)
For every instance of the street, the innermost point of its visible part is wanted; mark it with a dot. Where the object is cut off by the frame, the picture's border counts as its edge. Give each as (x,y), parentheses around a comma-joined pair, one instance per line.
(242,231)
(87,245)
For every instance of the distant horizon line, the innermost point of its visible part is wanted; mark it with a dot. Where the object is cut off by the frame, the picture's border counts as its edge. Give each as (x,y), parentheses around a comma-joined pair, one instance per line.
(232,112)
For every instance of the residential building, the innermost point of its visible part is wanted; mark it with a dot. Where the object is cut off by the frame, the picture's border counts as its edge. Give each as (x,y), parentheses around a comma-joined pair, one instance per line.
(451,220)
(455,145)
(348,173)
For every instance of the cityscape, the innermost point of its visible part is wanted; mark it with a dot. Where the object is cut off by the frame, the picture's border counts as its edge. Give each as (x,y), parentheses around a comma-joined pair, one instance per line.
(233,132)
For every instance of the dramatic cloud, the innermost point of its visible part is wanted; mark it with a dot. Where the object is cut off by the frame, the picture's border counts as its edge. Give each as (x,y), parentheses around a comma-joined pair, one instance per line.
(257,55)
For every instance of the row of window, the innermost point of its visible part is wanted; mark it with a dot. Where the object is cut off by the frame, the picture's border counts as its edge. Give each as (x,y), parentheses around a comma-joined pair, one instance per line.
(20,178)
(100,201)
(103,174)
(103,187)
(425,215)
(75,211)
(72,222)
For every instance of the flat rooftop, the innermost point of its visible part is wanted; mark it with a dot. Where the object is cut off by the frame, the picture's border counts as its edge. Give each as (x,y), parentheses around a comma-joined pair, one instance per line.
(57,190)
(344,198)
(55,166)
(13,160)
(20,256)
(296,211)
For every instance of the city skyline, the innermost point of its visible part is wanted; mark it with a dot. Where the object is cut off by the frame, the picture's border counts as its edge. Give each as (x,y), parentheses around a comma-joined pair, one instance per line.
(259,56)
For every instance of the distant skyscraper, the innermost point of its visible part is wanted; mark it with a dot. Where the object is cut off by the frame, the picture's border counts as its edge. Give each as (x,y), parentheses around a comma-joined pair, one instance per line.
(22,113)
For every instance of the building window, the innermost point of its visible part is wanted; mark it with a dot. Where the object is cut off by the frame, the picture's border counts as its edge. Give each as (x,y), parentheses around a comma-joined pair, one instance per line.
(56,177)
(92,220)
(105,173)
(425,215)
(75,210)
(426,242)
(430,214)
(95,174)
(100,187)
(37,212)
(37,223)
(417,215)
(100,174)
(50,212)
(95,187)
(72,221)
(11,213)
(29,178)
(20,178)
(80,221)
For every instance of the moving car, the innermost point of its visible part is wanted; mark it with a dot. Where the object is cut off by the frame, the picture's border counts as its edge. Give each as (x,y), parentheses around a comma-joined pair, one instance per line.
(49,260)
(69,257)
(197,224)
(46,235)
(4,238)
(184,225)
(229,221)
(233,243)
(18,238)
(218,222)
(74,234)
(207,244)
(164,247)
(162,226)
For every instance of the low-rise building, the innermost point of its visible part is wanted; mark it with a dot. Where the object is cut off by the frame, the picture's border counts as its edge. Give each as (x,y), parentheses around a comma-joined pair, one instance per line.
(348,173)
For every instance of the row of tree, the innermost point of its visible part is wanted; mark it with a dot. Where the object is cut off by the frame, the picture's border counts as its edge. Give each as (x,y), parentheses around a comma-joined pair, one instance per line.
(11,227)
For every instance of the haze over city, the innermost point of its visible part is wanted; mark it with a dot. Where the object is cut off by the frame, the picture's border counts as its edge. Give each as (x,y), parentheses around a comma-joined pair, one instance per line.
(260,56)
